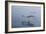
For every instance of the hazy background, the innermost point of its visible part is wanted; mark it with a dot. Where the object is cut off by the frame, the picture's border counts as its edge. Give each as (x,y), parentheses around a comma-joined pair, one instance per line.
(19,11)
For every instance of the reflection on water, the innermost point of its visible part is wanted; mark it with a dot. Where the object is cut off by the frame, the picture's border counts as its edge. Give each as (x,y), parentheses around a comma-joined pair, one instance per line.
(27,24)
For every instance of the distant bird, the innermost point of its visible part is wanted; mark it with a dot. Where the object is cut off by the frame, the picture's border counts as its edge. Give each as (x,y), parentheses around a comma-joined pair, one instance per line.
(30,16)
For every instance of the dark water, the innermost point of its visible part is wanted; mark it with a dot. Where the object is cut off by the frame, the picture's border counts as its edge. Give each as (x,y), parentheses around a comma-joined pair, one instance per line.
(26,16)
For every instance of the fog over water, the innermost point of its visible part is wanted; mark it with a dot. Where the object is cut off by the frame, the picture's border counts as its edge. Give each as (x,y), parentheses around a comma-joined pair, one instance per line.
(20,13)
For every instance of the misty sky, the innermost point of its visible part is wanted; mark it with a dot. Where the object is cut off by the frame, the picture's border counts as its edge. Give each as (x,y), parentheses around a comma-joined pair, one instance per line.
(19,11)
